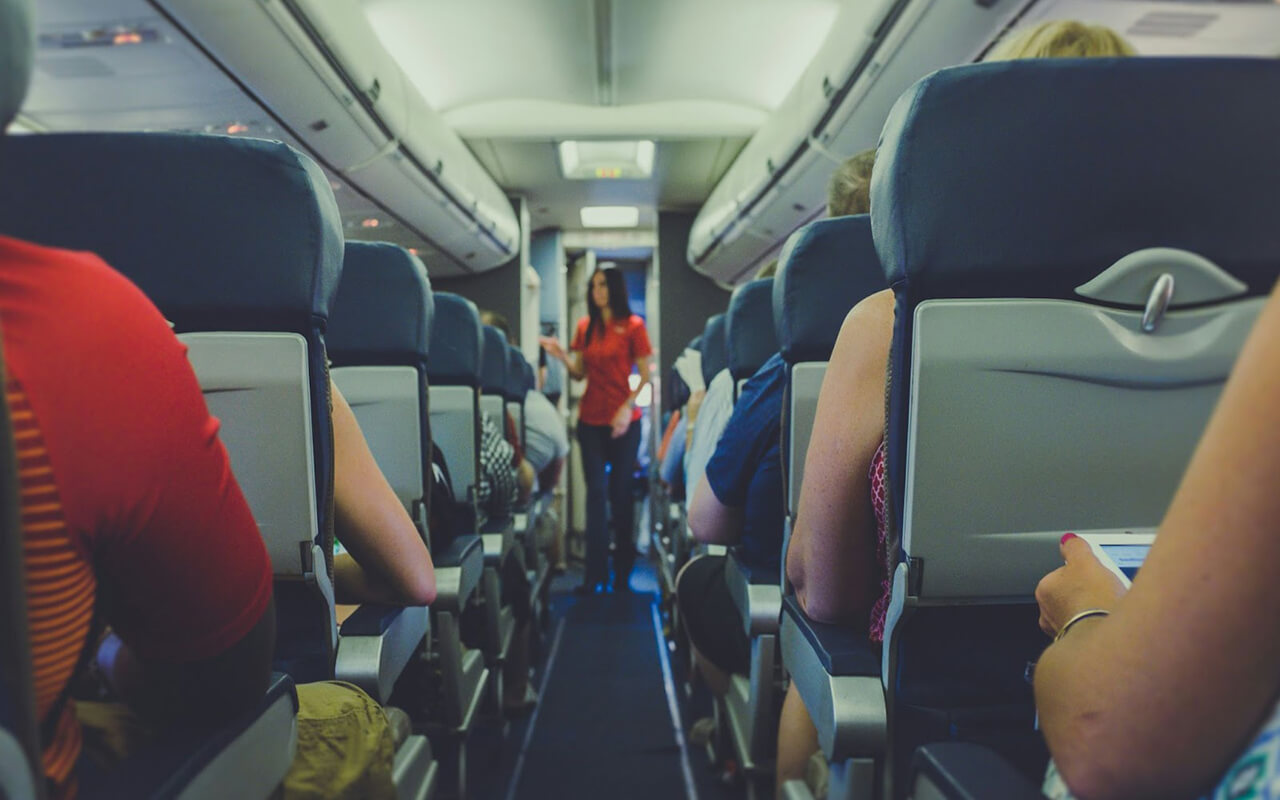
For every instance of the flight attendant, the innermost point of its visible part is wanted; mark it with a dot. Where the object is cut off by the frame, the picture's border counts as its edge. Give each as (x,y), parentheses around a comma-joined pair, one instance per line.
(608,344)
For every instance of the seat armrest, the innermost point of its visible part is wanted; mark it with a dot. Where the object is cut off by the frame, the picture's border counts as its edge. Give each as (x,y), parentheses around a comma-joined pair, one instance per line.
(967,771)
(458,571)
(247,757)
(498,536)
(756,594)
(376,643)
(837,672)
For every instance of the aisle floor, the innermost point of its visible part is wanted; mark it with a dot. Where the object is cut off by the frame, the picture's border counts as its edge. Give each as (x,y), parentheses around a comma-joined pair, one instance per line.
(604,725)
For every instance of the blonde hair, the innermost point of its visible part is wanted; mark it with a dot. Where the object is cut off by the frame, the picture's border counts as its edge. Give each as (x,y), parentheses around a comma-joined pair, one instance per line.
(1063,38)
(768,270)
(849,191)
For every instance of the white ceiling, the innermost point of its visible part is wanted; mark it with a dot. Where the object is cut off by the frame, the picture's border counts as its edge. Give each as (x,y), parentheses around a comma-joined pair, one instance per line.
(583,63)
(514,78)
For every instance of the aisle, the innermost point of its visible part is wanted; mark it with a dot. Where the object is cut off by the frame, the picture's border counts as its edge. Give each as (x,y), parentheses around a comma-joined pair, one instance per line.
(604,724)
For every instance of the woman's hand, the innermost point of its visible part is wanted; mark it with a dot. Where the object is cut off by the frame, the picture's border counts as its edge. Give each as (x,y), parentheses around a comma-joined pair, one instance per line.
(552,345)
(1079,584)
(621,420)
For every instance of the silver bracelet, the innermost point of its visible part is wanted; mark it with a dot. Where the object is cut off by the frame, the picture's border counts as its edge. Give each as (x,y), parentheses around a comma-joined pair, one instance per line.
(1092,612)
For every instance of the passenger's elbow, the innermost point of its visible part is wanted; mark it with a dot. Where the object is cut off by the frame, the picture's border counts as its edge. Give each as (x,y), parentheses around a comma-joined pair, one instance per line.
(422,591)
(1097,765)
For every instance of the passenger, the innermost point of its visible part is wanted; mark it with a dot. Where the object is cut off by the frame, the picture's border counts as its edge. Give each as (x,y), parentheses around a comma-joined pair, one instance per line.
(134,520)
(849,191)
(708,412)
(1170,688)
(839,561)
(607,344)
(738,502)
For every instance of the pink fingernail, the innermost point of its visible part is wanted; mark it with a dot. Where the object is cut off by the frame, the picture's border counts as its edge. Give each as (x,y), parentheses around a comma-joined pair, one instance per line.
(1065,537)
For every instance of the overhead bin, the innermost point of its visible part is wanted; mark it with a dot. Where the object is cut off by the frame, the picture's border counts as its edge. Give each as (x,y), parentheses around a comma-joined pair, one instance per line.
(321,69)
(837,107)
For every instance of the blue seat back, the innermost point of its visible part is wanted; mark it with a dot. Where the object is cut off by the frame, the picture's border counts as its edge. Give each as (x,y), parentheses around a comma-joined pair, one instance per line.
(516,376)
(1019,302)
(454,368)
(749,334)
(384,310)
(457,338)
(493,374)
(715,348)
(379,342)
(250,260)
(825,269)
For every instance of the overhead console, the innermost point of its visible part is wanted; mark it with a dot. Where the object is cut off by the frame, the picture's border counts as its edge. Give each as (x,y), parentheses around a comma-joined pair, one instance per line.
(873,53)
(321,69)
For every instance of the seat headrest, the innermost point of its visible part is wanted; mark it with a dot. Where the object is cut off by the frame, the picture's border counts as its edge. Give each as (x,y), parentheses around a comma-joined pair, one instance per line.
(695,343)
(383,311)
(1028,178)
(530,376)
(17,36)
(515,373)
(493,369)
(715,350)
(220,233)
(457,342)
(825,269)
(748,327)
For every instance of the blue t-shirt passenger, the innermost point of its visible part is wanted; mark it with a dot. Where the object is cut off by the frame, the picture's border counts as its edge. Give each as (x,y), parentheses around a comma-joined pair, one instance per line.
(746,469)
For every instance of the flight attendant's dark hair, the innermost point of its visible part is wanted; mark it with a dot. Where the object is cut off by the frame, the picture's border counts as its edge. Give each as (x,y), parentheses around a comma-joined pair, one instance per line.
(619,304)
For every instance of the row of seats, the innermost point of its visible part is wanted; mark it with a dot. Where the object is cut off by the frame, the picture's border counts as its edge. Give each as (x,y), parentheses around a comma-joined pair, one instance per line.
(239,243)
(1065,319)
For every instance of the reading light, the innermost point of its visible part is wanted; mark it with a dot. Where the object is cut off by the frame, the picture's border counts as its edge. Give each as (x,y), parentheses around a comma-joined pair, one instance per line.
(610,216)
(583,160)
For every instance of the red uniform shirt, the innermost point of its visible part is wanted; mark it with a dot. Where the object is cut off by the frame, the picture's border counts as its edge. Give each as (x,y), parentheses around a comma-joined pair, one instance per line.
(124,483)
(608,358)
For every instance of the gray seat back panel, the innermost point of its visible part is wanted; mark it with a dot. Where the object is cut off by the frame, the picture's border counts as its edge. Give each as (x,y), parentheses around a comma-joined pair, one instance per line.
(255,763)
(1030,418)
(453,429)
(256,384)
(493,407)
(385,401)
(806,383)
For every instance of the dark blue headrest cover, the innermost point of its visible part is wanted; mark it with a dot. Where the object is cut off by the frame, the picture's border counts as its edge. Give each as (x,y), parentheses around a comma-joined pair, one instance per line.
(695,343)
(457,342)
(749,327)
(515,373)
(530,377)
(382,312)
(715,349)
(825,269)
(220,233)
(16,49)
(1028,178)
(493,369)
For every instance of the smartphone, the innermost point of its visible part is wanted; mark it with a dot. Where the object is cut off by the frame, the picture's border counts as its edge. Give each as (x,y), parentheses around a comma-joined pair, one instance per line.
(1122,552)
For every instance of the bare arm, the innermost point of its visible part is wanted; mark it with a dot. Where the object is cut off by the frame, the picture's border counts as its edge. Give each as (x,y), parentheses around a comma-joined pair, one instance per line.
(831,559)
(572,361)
(387,550)
(710,520)
(1158,698)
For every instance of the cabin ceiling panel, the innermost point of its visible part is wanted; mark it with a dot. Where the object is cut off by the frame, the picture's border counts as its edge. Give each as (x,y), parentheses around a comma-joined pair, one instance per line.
(739,51)
(1177,28)
(565,68)
(684,172)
